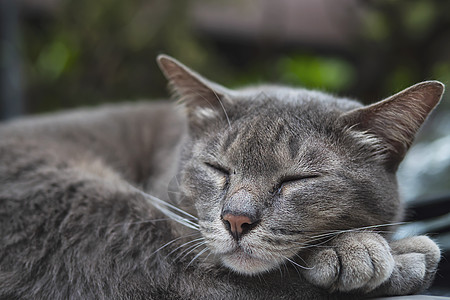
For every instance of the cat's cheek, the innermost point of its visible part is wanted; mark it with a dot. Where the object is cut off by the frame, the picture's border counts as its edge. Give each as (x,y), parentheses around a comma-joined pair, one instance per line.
(206,211)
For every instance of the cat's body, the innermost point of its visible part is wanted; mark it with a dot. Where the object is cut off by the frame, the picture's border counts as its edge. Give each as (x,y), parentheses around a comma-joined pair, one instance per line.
(271,181)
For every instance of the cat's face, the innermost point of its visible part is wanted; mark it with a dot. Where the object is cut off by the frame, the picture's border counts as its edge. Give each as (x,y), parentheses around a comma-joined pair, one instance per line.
(272,171)
(290,171)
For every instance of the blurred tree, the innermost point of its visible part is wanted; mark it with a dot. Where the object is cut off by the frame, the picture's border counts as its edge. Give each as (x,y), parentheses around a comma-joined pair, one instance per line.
(96,51)
(402,42)
(88,52)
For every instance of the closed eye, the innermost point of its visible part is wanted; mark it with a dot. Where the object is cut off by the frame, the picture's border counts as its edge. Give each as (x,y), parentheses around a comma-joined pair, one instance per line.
(293,179)
(218,169)
(288,179)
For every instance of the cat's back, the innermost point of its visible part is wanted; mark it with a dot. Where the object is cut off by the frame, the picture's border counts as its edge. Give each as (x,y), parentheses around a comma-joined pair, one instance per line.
(148,114)
(126,137)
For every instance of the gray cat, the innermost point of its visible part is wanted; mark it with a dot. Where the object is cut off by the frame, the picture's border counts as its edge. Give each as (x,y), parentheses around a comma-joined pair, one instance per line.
(273,192)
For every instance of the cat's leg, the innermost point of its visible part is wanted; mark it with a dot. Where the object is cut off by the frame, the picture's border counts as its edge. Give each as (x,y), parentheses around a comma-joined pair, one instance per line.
(366,262)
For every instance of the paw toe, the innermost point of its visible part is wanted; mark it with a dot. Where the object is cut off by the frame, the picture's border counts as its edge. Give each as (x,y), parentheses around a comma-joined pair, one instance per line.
(356,268)
(324,268)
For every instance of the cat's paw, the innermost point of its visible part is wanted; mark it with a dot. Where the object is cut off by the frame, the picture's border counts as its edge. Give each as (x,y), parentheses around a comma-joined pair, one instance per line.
(416,261)
(353,261)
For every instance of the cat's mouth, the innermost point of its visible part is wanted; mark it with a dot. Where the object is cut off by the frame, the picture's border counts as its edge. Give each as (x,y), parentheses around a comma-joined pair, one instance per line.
(248,256)
(244,262)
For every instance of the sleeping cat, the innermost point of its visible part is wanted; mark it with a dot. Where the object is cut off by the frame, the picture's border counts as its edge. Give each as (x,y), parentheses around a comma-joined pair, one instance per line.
(259,193)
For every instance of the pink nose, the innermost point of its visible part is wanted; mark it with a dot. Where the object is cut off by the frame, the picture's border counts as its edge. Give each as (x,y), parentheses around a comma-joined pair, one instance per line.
(237,225)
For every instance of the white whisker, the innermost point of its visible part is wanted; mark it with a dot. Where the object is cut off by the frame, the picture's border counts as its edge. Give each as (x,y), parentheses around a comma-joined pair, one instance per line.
(142,222)
(213,106)
(207,256)
(301,258)
(198,255)
(173,241)
(223,108)
(281,271)
(296,264)
(356,229)
(164,207)
(185,244)
(309,245)
(192,248)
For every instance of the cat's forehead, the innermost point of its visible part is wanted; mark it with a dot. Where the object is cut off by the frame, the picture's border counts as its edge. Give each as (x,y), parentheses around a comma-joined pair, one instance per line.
(282,95)
(277,109)
(271,140)
(273,127)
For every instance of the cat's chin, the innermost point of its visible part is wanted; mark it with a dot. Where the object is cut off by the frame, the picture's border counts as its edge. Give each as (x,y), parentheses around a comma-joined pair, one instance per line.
(245,264)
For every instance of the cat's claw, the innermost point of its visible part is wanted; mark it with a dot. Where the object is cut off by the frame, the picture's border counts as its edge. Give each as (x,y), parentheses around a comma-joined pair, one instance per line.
(366,262)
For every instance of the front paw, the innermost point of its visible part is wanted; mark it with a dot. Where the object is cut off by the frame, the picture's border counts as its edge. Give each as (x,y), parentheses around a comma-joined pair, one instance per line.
(353,261)
(416,261)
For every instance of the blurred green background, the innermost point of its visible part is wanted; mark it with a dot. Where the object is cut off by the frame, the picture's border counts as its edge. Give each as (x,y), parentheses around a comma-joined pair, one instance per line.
(82,52)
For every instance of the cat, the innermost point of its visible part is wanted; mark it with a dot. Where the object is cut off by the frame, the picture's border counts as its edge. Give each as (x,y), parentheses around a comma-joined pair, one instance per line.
(259,193)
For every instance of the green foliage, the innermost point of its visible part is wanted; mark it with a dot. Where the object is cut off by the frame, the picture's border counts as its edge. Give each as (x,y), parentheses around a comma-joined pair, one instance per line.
(90,52)
(54,59)
(419,16)
(317,72)
(103,50)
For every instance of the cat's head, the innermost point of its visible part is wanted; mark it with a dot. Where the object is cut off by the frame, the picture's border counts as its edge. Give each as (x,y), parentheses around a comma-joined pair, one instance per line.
(272,170)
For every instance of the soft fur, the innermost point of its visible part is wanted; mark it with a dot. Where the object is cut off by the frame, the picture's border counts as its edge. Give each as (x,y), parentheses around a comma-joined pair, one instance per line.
(129,202)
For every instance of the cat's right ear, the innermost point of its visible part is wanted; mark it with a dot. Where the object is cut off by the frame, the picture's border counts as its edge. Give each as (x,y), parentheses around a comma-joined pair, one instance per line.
(395,120)
(202,98)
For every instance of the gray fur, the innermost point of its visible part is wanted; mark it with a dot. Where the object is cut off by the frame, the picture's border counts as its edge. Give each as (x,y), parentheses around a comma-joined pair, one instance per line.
(315,173)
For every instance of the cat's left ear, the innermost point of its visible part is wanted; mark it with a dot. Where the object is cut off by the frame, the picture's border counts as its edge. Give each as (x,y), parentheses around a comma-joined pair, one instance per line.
(396,120)
(201,97)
